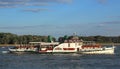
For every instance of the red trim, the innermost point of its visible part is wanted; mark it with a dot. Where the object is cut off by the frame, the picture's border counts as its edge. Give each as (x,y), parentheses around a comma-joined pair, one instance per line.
(49,48)
(91,46)
(68,48)
(43,51)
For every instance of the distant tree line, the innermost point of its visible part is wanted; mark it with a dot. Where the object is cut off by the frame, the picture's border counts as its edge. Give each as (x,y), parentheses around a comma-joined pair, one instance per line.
(98,39)
(9,38)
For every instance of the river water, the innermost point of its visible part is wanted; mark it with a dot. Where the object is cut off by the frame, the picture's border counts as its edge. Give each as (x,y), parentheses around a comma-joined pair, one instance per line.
(59,61)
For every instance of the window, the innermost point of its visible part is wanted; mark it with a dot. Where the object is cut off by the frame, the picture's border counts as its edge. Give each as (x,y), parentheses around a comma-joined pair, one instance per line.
(68,44)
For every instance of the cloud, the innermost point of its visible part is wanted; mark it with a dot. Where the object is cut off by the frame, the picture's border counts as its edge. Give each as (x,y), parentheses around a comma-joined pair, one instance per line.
(36,4)
(35,10)
(19,3)
(30,3)
(23,27)
(59,1)
(100,25)
(104,24)
(102,1)
(114,17)
(11,3)
(112,22)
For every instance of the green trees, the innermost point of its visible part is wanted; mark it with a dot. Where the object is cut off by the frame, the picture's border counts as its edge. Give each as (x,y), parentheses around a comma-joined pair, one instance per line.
(98,39)
(9,38)
(102,39)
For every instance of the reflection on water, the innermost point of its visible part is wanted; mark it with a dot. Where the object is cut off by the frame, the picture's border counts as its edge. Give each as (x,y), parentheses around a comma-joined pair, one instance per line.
(59,61)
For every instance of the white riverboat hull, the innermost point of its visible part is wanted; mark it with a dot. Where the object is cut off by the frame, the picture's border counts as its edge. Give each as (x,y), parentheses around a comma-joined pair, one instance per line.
(66,47)
(105,51)
(22,50)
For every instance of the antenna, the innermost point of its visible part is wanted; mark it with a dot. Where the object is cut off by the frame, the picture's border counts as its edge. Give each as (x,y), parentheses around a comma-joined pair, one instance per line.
(74,34)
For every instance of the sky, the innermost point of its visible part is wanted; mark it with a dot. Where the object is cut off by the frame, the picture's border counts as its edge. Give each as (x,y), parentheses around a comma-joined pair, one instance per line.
(60,17)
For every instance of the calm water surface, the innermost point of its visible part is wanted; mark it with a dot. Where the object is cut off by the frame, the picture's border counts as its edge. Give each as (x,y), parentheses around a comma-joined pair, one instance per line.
(59,61)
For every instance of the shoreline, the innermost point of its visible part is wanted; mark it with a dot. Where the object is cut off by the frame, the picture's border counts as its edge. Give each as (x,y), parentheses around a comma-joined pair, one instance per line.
(9,45)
